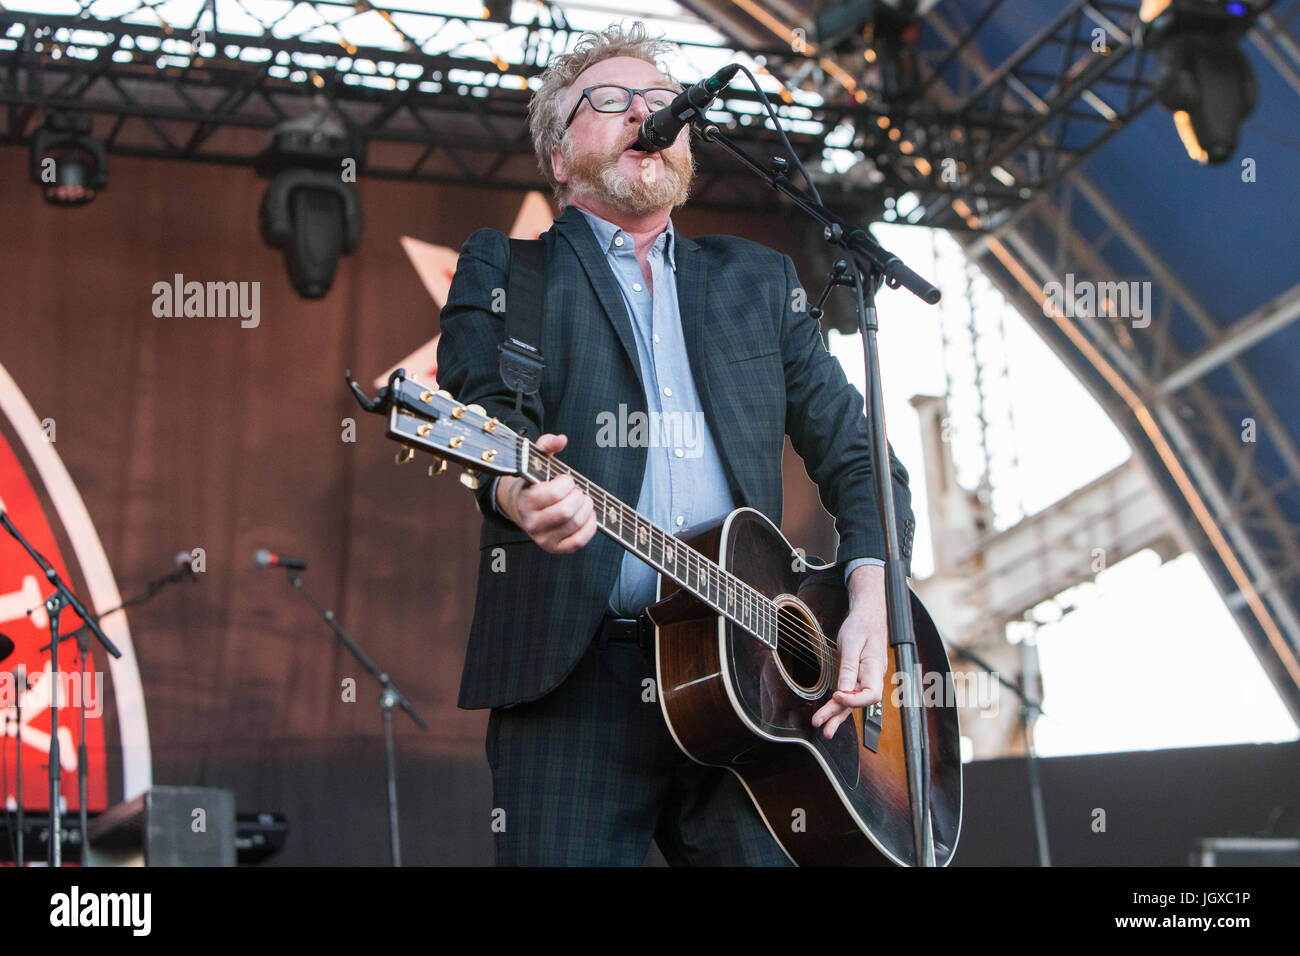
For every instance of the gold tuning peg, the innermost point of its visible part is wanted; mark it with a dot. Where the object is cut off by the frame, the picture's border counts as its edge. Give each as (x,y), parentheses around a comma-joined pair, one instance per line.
(437,468)
(443,393)
(470,479)
(477,408)
(407,453)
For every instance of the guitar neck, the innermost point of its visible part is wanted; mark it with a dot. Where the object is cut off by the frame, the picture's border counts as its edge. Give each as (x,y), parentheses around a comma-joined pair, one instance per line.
(705,579)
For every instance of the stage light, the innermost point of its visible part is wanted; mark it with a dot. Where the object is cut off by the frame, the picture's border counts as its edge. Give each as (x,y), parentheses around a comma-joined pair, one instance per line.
(1202,77)
(837,27)
(890,29)
(69,165)
(498,10)
(895,36)
(310,211)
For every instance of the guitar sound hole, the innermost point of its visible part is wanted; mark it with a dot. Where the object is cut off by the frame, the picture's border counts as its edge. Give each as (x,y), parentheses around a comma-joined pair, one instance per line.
(800,649)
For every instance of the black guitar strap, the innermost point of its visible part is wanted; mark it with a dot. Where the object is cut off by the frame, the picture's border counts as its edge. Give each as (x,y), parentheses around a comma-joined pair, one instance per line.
(522,363)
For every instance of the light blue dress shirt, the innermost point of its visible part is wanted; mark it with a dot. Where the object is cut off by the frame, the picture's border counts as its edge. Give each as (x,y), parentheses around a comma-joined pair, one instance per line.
(684,480)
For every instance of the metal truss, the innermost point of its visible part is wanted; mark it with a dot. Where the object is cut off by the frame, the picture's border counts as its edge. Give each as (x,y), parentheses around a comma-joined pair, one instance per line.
(1184,414)
(187,91)
(979,140)
(1028,122)
(1183,410)
(442,97)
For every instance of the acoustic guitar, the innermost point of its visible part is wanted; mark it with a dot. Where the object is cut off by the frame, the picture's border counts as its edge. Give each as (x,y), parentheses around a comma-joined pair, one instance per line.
(745,653)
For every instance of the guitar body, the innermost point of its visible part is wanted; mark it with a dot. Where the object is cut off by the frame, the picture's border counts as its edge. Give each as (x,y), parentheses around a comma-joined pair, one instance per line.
(731,701)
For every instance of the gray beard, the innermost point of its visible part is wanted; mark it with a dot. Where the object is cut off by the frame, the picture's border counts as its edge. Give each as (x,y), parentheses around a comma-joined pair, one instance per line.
(635,197)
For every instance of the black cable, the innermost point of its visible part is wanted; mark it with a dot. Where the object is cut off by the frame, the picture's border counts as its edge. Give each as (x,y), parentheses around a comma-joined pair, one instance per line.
(781,130)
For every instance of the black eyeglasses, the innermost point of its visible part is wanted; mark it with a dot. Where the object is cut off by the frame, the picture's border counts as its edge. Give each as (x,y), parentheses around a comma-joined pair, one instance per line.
(618,99)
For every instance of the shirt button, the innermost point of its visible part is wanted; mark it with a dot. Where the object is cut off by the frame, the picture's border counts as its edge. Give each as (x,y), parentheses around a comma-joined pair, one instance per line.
(656,338)
(618,240)
(680,521)
(678,452)
(636,287)
(668,392)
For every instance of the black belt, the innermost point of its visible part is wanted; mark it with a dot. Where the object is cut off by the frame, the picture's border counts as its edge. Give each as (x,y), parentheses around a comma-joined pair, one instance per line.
(627,630)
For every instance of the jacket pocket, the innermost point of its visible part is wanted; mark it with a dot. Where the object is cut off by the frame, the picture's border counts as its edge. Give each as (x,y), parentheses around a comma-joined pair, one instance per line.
(754,358)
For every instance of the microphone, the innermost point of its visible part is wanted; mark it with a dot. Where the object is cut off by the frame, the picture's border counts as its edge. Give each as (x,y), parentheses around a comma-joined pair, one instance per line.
(184,562)
(269,559)
(660,129)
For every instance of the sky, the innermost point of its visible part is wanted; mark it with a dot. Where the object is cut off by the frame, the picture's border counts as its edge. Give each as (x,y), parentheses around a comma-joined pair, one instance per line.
(1149,658)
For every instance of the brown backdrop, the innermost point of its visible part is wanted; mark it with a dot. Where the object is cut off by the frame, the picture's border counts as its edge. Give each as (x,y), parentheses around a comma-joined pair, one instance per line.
(184,433)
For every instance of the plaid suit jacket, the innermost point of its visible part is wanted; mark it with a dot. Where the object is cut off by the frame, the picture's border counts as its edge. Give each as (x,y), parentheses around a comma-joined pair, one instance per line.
(762,372)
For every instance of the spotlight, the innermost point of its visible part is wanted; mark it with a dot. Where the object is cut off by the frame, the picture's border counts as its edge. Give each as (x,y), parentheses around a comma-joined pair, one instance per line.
(837,27)
(892,29)
(309,211)
(896,33)
(1201,75)
(497,10)
(69,165)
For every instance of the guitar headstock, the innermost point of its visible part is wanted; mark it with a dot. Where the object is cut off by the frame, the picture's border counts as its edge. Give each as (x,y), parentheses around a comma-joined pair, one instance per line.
(432,420)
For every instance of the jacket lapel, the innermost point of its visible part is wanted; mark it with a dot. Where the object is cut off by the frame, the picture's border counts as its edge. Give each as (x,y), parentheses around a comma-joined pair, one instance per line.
(692,299)
(575,230)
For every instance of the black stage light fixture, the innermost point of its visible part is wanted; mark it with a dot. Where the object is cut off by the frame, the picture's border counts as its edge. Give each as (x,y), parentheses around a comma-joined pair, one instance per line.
(1202,76)
(69,165)
(310,211)
(895,35)
(837,27)
(498,11)
(884,31)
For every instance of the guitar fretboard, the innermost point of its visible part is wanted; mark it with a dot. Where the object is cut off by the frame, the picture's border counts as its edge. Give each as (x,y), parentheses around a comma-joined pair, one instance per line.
(702,577)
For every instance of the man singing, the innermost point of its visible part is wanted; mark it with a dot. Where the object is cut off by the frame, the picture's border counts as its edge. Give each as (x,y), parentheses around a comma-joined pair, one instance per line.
(711,331)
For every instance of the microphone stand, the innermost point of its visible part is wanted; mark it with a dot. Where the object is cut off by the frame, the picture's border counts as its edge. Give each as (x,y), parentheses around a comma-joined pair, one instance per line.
(871,265)
(82,637)
(54,605)
(389,696)
(150,589)
(21,674)
(1030,711)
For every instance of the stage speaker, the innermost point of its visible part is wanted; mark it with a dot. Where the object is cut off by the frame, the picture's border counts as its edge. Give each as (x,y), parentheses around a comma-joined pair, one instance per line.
(166,826)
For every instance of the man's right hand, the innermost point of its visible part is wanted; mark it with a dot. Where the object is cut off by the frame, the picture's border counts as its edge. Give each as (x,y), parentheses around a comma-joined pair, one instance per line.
(556,514)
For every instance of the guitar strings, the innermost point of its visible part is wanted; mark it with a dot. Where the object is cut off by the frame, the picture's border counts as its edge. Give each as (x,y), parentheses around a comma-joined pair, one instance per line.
(807,641)
(811,645)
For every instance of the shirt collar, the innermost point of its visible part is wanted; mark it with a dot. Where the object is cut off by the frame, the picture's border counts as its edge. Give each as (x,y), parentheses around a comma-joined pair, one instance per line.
(606,232)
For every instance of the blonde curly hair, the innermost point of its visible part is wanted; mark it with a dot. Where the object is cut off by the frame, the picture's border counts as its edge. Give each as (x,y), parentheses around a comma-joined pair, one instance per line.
(546,108)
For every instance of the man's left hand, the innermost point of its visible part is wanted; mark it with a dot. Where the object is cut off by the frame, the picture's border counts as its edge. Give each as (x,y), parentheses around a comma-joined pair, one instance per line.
(864,644)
